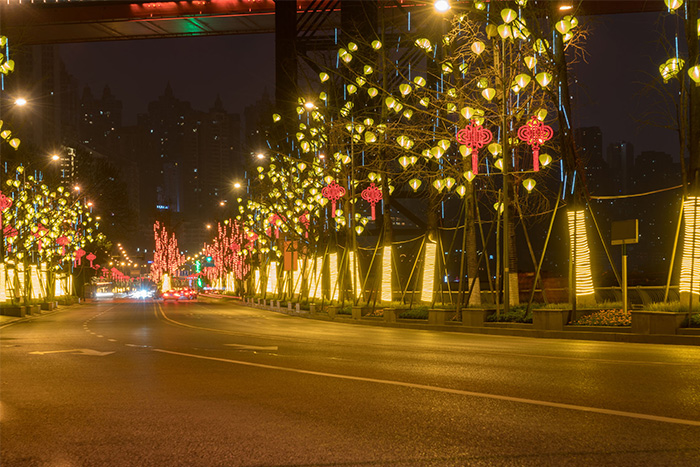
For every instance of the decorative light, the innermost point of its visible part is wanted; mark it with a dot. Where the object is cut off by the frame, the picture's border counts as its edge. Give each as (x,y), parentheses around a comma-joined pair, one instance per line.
(355,273)
(508,15)
(488,94)
(671,68)
(415,183)
(690,262)
(474,137)
(545,159)
(498,207)
(461,190)
(333,270)
(580,253)
(530,61)
(478,47)
(499,163)
(529,184)
(428,271)
(522,80)
(386,295)
(323,76)
(376,44)
(535,133)
(673,5)
(372,195)
(272,278)
(469,175)
(543,78)
(694,73)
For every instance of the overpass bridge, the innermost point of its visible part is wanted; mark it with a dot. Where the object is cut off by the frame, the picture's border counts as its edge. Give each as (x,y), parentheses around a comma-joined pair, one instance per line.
(32,22)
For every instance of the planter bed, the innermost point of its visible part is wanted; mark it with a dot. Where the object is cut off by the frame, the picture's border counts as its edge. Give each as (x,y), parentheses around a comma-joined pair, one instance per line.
(582,328)
(507,324)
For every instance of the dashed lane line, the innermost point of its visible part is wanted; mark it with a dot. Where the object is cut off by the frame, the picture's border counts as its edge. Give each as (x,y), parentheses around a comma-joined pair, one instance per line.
(579,408)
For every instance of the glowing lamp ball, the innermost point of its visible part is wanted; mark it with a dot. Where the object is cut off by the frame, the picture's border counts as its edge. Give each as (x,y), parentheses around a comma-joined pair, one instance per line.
(694,73)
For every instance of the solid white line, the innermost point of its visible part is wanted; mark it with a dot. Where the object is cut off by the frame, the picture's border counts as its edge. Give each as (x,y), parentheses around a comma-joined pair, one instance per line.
(580,408)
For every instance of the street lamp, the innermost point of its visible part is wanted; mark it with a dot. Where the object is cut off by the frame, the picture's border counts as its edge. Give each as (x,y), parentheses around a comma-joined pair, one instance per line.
(442,5)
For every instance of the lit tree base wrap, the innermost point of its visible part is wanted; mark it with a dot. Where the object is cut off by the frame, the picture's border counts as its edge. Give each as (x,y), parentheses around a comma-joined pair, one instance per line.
(333,269)
(428,272)
(581,256)
(690,262)
(386,274)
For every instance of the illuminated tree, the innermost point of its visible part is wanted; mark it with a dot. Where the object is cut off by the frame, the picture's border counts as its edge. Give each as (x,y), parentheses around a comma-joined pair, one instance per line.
(166,255)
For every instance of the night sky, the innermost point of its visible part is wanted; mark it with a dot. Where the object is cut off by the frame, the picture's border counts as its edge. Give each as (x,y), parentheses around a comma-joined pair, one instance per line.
(623,53)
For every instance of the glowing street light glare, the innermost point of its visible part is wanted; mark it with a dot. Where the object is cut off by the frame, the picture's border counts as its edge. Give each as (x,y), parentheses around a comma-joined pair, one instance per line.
(208,226)
(21,101)
(76,187)
(566,7)
(55,157)
(260,155)
(442,5)
(309,105)
(237,185)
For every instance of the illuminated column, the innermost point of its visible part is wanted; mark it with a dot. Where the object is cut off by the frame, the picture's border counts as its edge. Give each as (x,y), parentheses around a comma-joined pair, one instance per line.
(272,278)
(36,291)
(20,280)
(166,283)
(355,274)
(60,290)
(386,274)
(318,282)
(428,272)
(3,290)
(296,279)
(333,268)
(44,279)
(581,255)
(690,262)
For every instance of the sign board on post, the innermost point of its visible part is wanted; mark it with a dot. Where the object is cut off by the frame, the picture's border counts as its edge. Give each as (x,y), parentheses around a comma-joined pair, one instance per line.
(625,232)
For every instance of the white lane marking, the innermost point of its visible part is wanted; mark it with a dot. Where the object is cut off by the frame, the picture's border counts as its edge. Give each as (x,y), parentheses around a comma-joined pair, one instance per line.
(252,347)
(580,408)
(112,340)
(91,352)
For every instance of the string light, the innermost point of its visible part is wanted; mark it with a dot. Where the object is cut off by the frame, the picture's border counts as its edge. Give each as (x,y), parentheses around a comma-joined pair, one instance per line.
(580,253)
(428,272)
(386,274)
(690,262)
(333,268)
(355,274)
(272,278)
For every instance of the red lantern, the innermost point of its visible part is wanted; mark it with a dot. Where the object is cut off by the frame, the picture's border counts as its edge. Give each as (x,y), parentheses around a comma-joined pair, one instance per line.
(63,241)
(372,195)
(78,255)
(535,133)
(333,193)
(91,257)
(474,136)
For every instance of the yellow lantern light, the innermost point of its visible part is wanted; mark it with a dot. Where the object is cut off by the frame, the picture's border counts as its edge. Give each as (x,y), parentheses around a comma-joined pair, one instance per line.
(541,114)
(323,76)
(461,190)
(352,46)
(376,44)
(478,47)
(408,113)
(352,89)
(694,73)
(449,183)
(372,92)
(14,142)
(420,81)
(545,159)
(370,137)
(368,70)
(405,89)
(530,61)
(439,185)
(404,161)
(464,150)
(499,164)
(505,31)
(543,78)
(469,175)
(529,184)
(498,207)
(522,80)
(673,5)
(563,26)
(488,94)
(508,15)
(390,102)
(495,149)
(540,46)
(671,68)
(467,112)
(424,102)
(415,183)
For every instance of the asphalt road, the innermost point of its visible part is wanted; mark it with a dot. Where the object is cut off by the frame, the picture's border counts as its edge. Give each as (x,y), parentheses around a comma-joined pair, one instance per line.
(197,384)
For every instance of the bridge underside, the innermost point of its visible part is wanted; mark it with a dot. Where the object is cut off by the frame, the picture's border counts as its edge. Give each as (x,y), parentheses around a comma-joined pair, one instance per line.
(32,22)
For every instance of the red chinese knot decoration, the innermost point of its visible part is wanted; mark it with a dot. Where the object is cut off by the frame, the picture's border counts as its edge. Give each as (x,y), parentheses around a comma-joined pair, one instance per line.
(333,193)
(475,137)
(91,257)
(372,195)
(535,133)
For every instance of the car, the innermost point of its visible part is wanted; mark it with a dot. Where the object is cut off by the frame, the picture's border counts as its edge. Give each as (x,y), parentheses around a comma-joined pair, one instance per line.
(189,294)
(171,295)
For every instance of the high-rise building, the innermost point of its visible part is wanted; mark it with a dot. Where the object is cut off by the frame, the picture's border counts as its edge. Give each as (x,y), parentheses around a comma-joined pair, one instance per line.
(620,159)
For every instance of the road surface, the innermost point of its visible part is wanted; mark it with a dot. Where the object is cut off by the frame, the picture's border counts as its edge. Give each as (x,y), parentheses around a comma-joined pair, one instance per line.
(201,384)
